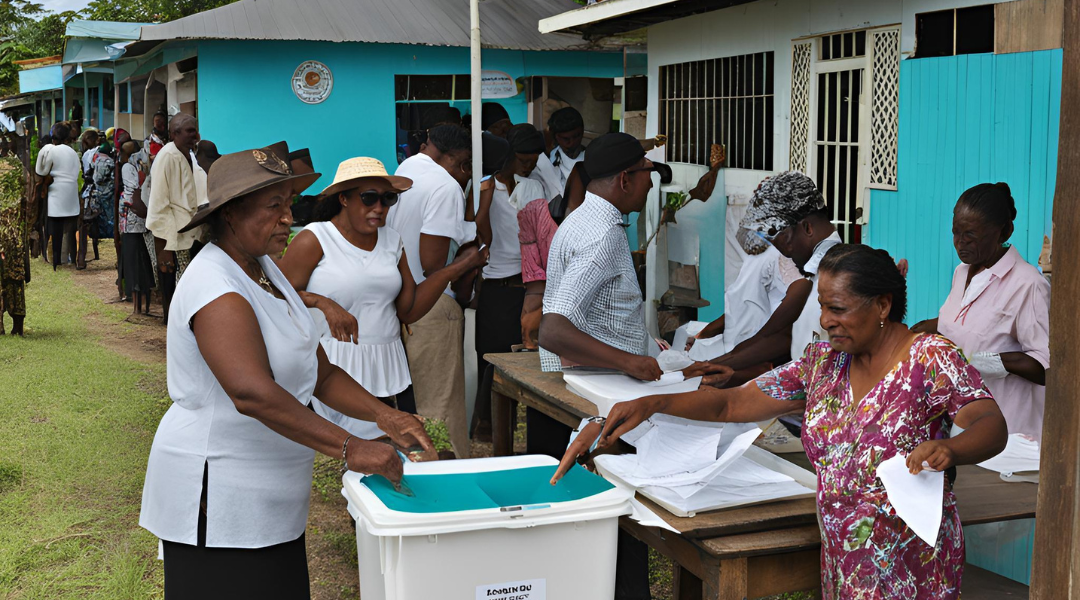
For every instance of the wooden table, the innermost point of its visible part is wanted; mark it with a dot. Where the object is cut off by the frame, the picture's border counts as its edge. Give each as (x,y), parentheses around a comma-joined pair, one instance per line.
(737,553)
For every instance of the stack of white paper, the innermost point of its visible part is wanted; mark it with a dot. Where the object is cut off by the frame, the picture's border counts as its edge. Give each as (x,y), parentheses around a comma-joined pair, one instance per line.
(1021,455)
(689,466)
(607,390)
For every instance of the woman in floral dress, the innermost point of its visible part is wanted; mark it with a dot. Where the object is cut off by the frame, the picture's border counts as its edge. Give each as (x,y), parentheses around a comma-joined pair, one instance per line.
(875,390)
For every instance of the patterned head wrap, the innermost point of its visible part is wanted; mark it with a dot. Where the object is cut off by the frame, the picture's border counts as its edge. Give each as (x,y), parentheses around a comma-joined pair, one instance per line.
(782,201)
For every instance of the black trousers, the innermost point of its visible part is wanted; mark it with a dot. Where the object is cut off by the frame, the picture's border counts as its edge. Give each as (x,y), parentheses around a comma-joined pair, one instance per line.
(59,229)
(201,573)
(498,327)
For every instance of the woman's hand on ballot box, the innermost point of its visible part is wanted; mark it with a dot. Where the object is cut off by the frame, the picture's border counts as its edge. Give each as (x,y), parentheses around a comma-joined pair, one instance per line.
(407,431)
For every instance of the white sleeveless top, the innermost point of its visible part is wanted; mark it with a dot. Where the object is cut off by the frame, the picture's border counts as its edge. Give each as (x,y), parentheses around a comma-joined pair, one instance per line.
(367,285)
(505,258)
(259,481)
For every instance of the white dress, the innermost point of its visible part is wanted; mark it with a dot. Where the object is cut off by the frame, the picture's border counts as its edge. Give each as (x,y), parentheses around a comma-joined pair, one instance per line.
(259,481)
(367,285)
(505,247)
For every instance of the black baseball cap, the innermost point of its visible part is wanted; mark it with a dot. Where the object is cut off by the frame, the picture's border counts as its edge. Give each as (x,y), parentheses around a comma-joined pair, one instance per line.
(613,153)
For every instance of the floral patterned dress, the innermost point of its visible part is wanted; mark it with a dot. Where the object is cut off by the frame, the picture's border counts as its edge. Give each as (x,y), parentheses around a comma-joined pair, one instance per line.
(867,551)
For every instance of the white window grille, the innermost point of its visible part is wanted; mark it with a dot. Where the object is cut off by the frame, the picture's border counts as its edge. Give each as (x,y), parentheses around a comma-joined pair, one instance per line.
(725,101)
(800,103)
(885,104)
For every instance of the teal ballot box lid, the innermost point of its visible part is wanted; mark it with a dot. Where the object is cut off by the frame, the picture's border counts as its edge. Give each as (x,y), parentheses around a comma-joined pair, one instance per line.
(468,495)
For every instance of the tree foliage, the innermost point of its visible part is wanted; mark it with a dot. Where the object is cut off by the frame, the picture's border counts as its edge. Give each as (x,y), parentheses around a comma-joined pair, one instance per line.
(28,31)
(148,11)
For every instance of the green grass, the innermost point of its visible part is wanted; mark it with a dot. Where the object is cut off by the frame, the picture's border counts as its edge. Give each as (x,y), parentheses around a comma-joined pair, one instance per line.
(76,424)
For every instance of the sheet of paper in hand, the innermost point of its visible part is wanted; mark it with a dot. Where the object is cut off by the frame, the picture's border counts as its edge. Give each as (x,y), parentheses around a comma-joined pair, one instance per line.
(916,498)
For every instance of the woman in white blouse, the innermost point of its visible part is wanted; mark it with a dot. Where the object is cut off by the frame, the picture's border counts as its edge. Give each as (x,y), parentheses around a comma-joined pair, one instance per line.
(229,475)
(352,268)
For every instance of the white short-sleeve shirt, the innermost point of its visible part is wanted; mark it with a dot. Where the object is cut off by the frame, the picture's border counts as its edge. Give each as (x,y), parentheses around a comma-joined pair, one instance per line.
(259,481)
(435,205)
(63,164)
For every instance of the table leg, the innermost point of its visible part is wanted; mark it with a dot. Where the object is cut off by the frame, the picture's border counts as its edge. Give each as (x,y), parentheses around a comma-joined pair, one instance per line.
(730,583)
(502,433)
(687,585)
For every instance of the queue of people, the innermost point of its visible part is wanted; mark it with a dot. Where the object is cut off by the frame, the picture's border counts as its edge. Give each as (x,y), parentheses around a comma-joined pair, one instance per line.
(355,334)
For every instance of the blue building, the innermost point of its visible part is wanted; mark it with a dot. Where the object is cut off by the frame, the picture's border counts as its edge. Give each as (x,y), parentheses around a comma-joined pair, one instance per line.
(351,78)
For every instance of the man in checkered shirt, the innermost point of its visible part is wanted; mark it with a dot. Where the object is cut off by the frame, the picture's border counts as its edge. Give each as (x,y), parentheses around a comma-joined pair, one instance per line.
(593,312)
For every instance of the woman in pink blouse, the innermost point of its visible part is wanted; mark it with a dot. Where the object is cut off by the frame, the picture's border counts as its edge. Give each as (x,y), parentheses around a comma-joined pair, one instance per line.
(998,310)
(875,390)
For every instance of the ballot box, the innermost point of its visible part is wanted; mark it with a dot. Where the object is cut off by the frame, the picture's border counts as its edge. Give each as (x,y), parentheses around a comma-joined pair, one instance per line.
(489,528)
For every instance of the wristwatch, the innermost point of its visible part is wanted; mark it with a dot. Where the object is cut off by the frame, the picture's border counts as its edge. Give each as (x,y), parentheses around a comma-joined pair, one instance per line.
(599,420)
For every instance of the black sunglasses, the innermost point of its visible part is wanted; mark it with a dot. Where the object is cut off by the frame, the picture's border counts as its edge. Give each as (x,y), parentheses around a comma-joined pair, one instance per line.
(370,197)
(660,168)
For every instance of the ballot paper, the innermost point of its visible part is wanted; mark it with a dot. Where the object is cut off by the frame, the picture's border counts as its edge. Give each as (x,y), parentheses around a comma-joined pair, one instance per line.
(754,478)
(682,455)
(708,348)
(685,332)
(674,360)
(917,498)
(1021,455)
(607,390)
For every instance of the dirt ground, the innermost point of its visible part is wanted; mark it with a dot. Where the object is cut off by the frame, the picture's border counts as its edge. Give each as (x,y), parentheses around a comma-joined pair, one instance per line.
(330,535)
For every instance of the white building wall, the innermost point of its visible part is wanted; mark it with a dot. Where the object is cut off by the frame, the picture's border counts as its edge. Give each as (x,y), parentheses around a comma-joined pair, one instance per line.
(766,25)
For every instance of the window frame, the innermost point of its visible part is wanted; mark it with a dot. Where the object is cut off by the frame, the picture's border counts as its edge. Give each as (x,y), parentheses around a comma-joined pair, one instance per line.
(714,89)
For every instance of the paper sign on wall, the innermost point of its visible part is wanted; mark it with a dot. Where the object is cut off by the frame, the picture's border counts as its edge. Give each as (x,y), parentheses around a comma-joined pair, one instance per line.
(497,84)
(532,589)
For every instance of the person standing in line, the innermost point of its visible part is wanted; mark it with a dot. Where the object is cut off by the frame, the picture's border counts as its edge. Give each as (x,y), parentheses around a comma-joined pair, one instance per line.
(498,314)
(137,269)
(494,119)
(179,188)
(86,235)
(568,128)
(158,136)
(352,268)
(429,217)
(59,165)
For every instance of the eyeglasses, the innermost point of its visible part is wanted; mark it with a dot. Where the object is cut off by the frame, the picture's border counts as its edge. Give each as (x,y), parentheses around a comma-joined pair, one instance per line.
(370,197)
(660,168)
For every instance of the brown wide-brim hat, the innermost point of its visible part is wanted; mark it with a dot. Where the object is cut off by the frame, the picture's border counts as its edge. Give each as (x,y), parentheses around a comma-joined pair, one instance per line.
(240,173)
(351,172)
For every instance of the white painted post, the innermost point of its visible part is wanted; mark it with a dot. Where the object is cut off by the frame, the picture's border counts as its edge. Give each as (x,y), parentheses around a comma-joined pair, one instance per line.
(477,129)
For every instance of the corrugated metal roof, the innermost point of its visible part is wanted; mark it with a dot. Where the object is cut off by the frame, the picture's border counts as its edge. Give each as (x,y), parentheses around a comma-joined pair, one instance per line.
(103,30)
(510,24)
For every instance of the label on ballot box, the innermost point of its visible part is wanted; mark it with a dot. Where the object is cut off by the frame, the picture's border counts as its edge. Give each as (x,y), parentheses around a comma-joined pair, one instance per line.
(532,589)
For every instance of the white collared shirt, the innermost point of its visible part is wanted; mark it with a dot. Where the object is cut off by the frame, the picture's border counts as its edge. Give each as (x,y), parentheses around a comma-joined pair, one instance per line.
(807,328)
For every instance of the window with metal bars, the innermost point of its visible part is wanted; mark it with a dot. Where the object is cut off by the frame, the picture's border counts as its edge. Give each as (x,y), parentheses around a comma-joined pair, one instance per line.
(725,101)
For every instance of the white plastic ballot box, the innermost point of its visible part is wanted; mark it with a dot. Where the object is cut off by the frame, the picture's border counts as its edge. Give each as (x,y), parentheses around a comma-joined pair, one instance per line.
(486,529)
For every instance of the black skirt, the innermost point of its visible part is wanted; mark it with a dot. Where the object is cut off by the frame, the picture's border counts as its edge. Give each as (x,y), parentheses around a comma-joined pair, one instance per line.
(194,573)
(135,265)
(201,573)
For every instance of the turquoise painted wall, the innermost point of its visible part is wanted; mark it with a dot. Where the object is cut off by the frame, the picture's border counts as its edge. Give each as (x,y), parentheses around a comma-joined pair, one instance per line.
(245,98)
(966,120)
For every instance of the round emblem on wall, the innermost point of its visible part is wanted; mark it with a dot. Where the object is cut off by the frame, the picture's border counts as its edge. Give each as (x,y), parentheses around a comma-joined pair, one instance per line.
(312,82)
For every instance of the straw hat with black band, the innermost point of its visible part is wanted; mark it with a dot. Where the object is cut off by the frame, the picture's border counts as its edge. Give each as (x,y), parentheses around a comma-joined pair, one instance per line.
(350,172)
(240,173)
